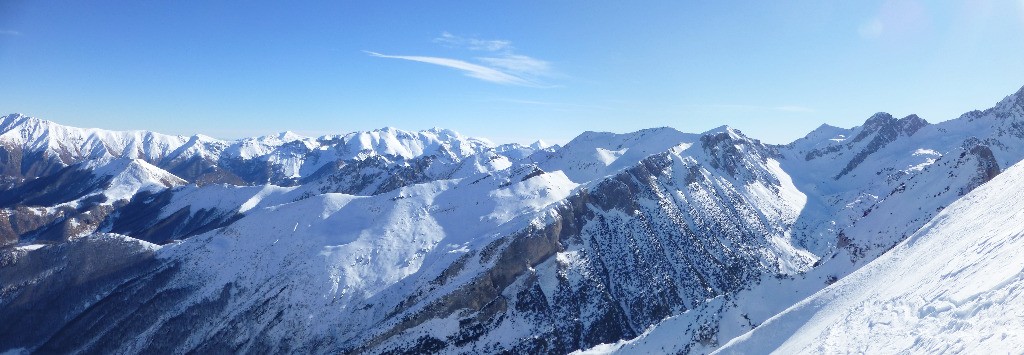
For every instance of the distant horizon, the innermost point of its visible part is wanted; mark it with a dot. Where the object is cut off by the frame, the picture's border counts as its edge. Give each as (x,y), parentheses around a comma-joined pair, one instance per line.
(303,133)
(510,72)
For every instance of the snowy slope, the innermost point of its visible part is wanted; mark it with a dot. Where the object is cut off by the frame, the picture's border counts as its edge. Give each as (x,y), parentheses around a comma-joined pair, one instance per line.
(114,179)
(129,177)
(319,255)
(70,144)
(954,286)
(593,155)
(868,177)
(75,200)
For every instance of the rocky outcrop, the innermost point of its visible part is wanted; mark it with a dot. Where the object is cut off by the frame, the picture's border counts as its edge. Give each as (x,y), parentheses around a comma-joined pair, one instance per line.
(883,129)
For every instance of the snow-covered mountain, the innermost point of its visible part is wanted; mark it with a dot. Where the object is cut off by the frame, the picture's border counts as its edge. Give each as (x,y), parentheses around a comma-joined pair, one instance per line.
(75,200)
(408,242)
(953,286)
(32,147)
(39,156)
(868,188)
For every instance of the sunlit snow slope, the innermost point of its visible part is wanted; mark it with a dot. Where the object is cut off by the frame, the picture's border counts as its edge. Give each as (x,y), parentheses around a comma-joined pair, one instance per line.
(954,286)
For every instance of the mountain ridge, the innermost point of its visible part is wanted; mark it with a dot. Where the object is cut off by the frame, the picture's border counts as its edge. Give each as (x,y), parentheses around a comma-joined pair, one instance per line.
(609,242)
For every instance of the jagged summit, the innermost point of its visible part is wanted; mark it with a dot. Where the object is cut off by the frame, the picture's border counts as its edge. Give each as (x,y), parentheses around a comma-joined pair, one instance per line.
(1016,97)
(912,123)
(10,120)
(879,118)
(1013,102)
(726,130)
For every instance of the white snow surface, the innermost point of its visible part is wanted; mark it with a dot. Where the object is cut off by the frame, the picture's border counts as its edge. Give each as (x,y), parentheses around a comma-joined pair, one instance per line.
(42,135)
(130,176)
(957,285)
(593,155)
(333,250)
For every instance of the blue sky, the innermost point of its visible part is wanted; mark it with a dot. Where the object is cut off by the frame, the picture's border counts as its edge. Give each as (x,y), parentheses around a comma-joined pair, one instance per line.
(508,71)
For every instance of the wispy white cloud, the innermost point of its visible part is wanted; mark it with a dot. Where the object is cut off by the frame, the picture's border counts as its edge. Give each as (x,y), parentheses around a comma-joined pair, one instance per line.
(520,64)
(476,44)
(470,69)
(501,65)
(9,33)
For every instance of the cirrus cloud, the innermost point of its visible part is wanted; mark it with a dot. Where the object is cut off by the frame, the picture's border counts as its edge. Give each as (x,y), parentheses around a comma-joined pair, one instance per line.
(472,70)
(501,66)
(471,43)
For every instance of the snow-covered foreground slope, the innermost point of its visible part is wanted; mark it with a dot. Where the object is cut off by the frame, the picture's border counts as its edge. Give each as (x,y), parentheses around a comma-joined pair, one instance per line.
(957,285)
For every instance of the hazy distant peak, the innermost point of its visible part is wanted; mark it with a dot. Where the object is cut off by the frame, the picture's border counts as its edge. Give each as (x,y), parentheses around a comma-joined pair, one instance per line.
(289,136)
(539,144)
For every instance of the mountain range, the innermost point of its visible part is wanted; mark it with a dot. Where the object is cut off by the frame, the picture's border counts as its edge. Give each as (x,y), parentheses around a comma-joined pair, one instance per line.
(895,235)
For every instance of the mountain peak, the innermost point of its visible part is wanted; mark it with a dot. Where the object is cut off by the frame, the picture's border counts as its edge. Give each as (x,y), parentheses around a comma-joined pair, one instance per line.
(289,136)
(911,124)
(879,118)
(203,138)
(387,129)
(1015,100)
(719,129)
(726,129)
(444,132)
(539,144)
(12,117)
(825,132)
(10,121)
